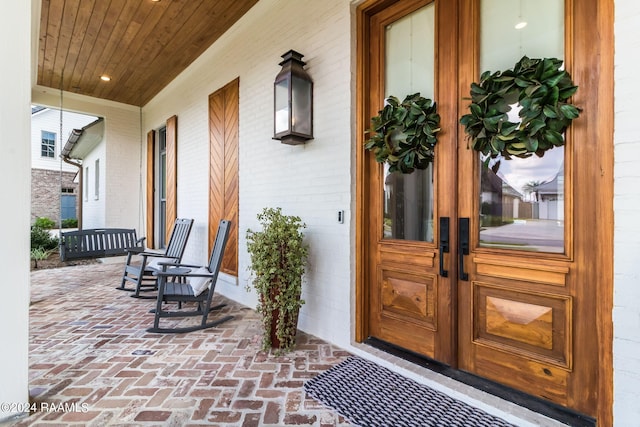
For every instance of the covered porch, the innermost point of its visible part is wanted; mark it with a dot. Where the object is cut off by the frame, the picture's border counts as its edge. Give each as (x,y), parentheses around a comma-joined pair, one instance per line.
(92,362)
(47,345)
(90,354)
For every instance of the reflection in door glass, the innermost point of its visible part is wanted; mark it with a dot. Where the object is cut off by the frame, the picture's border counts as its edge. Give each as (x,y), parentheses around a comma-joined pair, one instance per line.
(408,205)
(522,203)
(410,68)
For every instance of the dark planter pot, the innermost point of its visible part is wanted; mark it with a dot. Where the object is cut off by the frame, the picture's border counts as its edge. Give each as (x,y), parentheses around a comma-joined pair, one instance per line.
(291,319)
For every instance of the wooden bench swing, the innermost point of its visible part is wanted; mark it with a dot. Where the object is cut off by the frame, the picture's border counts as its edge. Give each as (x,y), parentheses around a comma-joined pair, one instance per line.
(99,243)
(94,242)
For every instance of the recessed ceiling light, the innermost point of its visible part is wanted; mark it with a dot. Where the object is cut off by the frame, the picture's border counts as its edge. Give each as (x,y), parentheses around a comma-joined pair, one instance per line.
(521,25)
(105,78)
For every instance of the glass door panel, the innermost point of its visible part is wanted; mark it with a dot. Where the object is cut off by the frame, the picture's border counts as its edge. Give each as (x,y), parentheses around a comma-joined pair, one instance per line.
(522,200)
(510,29)
(409,68)
(522,203)
(408,205)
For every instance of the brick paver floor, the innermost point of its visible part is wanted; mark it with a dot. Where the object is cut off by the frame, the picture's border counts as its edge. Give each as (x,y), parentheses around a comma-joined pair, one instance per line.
(91,362)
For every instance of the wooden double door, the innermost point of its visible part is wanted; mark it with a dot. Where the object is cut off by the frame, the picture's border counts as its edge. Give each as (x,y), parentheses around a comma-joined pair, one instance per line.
(503,271)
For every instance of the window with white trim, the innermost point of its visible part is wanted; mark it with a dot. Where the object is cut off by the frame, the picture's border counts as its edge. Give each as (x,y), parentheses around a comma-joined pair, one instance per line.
(48,144)
(97,180)
(86,184)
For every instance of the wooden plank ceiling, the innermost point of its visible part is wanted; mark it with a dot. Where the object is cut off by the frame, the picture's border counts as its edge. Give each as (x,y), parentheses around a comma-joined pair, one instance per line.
(141,44)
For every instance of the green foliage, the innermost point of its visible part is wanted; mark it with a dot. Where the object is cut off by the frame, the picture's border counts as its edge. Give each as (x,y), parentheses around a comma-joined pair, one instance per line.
(44,222)
(485,208)
(41,239)
(70,223)
(39,254)
(278,259)
(403,134)
(494,221)
(541,88)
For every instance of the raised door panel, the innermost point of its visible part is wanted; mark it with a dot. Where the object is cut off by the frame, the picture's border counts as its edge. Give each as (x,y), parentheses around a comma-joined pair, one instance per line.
(534,325)
(408,296)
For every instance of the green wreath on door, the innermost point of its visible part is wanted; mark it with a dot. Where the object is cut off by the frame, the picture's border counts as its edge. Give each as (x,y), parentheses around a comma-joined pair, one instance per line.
(403,134)
(542,90)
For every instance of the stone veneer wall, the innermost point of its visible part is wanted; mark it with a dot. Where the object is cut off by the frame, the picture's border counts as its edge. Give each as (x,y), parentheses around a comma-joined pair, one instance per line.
(46,188)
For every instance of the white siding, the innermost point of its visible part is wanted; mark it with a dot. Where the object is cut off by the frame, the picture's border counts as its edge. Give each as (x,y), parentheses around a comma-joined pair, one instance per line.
(626,312)
(49,120)
(312,181)
(95,207)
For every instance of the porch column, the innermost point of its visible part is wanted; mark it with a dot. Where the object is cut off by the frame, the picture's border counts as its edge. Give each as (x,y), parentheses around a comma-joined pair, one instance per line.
(15,164)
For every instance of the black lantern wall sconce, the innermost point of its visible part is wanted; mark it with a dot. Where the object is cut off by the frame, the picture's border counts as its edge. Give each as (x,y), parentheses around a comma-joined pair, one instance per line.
(293,101)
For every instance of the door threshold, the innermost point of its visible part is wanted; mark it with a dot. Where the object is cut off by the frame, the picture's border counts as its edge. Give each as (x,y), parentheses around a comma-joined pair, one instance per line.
(535,404)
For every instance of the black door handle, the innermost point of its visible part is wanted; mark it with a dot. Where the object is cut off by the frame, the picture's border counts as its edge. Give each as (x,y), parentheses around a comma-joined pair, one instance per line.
(444,243)
(463,246)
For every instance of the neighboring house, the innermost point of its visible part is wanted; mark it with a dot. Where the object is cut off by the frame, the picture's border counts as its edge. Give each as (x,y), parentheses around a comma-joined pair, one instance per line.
(551,196)
(559,325)
(54,187)
(85,149)
(498,198)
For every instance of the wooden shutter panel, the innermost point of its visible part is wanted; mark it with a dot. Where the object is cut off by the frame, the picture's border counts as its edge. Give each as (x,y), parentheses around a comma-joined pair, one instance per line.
(224,107)
(172,175)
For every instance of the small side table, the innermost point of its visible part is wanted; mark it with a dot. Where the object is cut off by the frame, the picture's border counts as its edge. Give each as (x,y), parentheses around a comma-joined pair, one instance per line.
(178,271)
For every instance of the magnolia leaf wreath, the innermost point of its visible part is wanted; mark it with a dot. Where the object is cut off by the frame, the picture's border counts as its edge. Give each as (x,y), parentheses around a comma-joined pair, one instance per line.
(403,134)
(541,89)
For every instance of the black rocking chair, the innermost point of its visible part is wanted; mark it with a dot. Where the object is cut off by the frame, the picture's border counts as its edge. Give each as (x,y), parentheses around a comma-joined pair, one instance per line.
(142,274)
(184,283)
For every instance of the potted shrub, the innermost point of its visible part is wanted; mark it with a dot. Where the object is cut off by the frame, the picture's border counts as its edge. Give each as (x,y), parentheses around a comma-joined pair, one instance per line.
(278,259)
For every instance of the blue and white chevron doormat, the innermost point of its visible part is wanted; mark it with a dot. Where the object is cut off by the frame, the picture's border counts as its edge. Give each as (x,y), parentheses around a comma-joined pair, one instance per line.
(370,395)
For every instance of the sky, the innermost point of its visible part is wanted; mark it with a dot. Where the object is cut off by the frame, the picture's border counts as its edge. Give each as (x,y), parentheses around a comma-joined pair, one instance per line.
(517,172)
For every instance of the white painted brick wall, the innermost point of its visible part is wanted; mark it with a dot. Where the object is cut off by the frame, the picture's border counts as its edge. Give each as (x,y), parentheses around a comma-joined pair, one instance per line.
(312,181)
(626,312)
(94,209)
